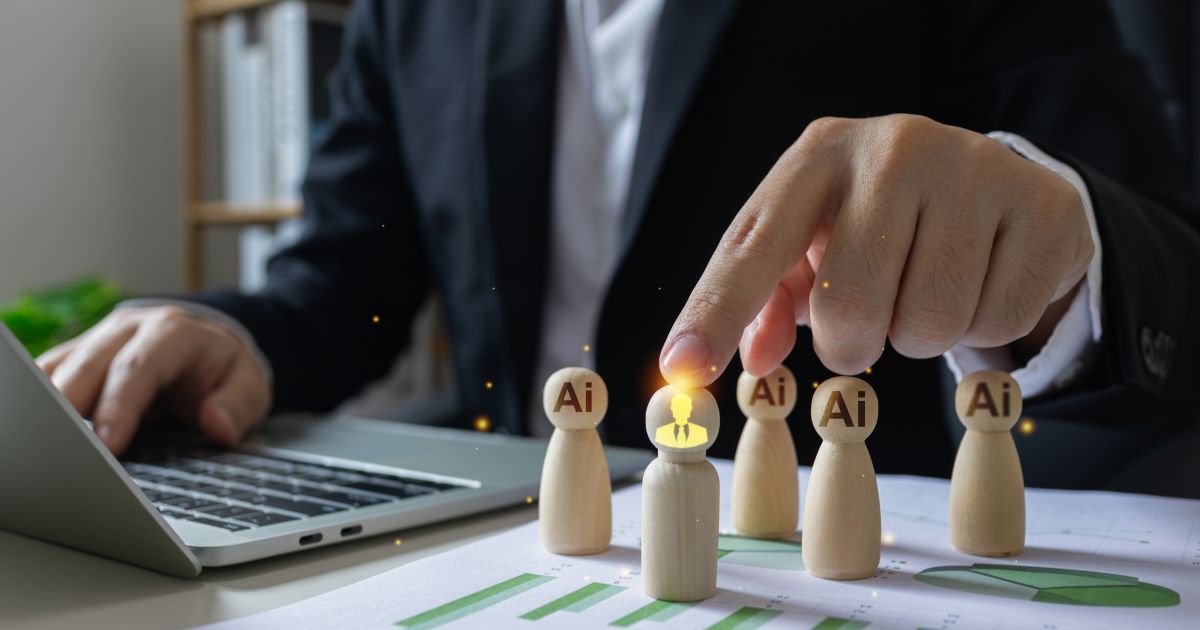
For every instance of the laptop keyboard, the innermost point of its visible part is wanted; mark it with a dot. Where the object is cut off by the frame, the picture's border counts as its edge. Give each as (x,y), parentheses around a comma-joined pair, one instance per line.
(238,491)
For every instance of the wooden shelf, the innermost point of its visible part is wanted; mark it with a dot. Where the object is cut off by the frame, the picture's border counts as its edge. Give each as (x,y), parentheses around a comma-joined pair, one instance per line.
(217,213)
(204,9)
(201,9)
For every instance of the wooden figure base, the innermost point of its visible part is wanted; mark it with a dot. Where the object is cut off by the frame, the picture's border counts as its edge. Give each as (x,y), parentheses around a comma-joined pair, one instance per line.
(987,496)
(841,514)
(680,509)
(766,490)
(575,507)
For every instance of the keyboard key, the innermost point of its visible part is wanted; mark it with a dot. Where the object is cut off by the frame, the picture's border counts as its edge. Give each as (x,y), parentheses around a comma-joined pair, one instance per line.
(188,503)
(399,491)
(346,498)
(149,477)
(286,488)
(230,511)
(233,527)
(261,519)
(158,496)
(250,496)
(173,513)
(301,507)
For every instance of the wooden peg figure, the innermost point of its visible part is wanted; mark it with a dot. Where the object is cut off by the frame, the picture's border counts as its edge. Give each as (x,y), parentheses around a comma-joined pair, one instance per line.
(766,490)
(987,490)
(575,501)
(841,511)
(680,497)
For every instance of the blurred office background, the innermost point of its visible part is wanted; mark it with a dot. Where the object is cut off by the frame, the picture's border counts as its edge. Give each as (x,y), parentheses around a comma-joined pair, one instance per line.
(90,112)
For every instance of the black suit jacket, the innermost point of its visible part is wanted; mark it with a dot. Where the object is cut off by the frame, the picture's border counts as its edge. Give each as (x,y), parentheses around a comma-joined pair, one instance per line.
(436,176)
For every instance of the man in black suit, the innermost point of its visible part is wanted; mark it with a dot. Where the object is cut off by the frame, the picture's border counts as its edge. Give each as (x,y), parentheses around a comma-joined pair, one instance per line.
(544,163)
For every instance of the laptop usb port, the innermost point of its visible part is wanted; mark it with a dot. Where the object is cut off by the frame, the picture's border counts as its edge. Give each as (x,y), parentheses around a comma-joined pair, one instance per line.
(310,539)
(351,531)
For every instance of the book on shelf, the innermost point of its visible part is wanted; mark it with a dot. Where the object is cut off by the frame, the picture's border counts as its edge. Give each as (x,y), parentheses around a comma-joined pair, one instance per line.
(263,76)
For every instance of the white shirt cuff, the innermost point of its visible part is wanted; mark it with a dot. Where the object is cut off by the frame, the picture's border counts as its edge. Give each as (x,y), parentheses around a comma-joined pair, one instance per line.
(1062,359)
(215,316)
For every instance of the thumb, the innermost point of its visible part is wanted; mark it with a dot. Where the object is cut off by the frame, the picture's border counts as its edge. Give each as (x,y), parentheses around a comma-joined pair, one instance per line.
(239,403)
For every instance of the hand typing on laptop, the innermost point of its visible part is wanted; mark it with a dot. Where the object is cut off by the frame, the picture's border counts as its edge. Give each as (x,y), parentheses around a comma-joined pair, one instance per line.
(194,367)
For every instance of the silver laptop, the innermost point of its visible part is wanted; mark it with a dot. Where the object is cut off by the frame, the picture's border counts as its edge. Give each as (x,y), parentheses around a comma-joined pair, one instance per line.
(301,482)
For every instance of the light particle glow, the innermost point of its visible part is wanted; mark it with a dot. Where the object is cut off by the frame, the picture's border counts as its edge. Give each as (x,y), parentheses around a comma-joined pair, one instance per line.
(398,542)
(374,319)
(587,347)
(815,384)
(1027,427)
(529,500)
(488,385)
(889,538)
(483,423)
(869,370)
(824,284)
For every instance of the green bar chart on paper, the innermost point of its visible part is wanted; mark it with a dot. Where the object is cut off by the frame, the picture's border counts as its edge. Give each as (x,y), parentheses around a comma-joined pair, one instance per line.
(658,611)
(745,618)
(837,623)
(576,601)
(781,555)
(474,602)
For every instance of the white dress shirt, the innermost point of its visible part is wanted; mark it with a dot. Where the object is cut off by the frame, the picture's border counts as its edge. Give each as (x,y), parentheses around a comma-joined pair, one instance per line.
(602,81)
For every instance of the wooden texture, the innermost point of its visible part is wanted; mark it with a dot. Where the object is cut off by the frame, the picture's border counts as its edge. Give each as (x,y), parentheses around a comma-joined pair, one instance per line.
(680,508)
(987,488)
(841,510)
(766,489)
(680,497)
(575,499)
(216,213)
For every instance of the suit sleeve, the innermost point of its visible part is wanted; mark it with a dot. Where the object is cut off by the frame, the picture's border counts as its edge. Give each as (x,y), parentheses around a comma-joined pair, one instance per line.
(338,303)
(1056,73)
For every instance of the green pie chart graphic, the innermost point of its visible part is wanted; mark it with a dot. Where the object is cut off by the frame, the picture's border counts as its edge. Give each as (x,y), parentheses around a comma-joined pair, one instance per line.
(1050,585)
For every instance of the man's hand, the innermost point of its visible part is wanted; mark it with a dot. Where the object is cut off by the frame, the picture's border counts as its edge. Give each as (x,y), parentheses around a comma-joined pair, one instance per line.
(895,228)
(198,370)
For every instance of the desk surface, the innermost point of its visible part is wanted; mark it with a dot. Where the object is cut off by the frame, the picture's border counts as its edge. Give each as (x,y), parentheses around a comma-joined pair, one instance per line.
(47,586)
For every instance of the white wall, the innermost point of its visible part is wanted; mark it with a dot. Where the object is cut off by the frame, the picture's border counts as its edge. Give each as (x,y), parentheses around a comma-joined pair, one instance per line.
(90,111)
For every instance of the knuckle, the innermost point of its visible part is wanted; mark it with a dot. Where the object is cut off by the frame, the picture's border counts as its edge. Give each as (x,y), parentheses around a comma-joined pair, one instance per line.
(750,239)
(924,328)
(823,133)
(129,363)
(846,311)
(1015,316)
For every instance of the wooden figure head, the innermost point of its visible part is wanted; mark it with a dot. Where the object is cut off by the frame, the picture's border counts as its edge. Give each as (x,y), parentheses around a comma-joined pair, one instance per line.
(770,397)
(988,400)
(844,409)
(682,420)
(575,398)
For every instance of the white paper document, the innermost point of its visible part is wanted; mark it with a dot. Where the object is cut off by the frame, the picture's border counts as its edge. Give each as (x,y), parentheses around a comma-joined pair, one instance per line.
(1092,560)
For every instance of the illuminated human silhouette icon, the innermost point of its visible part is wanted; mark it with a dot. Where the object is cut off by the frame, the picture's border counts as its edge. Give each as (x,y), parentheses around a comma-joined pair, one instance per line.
(681,433)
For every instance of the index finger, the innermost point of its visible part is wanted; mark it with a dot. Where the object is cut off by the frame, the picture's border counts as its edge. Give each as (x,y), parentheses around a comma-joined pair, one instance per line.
(767,238)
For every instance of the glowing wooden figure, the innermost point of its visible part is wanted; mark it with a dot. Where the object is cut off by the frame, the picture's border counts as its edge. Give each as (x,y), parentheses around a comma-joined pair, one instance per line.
(987,489)
(680,497)
(766,490)
(575,500)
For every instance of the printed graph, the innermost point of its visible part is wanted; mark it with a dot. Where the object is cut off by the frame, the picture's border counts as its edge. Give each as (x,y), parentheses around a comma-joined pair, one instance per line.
(1050,585)
(657,611)
(745,618)
(576,601)
(781,555)
(473,603)
(837,623)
